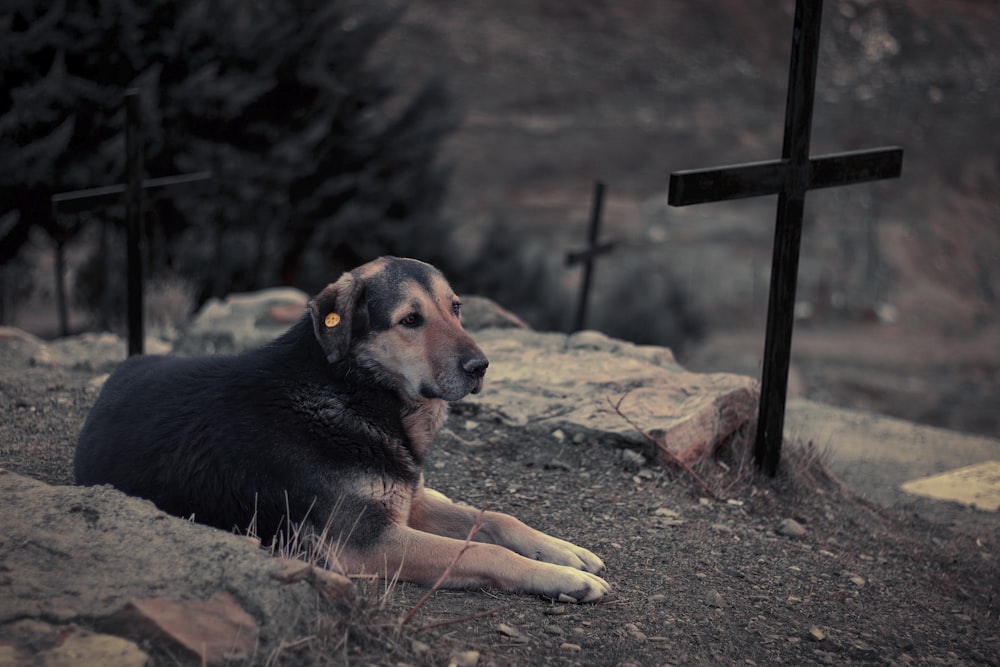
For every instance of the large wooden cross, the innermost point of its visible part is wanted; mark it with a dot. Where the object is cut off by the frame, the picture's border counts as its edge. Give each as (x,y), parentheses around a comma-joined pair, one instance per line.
(82,200)
(789,178)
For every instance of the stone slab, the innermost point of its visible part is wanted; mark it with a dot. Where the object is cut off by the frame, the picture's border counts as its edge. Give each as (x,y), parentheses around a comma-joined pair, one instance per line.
(877,455)
(976,485)
(551,380)
(84,553)
(242,321)
(215,631)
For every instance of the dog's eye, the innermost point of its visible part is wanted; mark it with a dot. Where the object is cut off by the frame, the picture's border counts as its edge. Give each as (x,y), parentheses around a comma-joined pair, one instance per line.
(457,308)
(412,321)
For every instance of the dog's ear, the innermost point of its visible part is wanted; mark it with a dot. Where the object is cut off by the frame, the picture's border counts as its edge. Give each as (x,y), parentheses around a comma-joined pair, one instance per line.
(337,315)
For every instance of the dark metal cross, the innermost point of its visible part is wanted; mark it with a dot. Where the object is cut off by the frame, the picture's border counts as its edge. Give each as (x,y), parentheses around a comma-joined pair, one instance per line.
(589,254)
(82,200)
(790,178)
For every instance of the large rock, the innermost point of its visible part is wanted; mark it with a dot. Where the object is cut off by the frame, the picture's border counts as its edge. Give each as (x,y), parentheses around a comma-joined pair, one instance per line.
(242,321)
(478,312)
(99,352)
(575,383)
(76,554)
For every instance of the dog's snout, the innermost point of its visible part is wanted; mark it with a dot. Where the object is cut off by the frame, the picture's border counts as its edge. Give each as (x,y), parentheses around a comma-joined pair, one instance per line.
(475,364)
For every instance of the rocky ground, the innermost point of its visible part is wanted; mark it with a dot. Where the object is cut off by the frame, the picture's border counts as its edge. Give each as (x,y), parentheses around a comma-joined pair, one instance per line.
(794,570)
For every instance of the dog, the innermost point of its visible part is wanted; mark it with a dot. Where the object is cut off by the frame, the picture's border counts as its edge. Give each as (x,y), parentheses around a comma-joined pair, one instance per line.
(326,429)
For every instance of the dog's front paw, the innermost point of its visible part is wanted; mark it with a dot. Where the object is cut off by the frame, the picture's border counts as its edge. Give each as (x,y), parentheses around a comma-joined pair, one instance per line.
(561,582)
(561,552)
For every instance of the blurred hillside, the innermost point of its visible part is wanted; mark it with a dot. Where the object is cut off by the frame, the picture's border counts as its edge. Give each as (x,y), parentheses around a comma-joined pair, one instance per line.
(900,280)
(899,287)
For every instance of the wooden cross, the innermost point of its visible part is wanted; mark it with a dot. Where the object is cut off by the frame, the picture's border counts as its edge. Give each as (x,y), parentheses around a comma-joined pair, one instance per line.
(82,200)
(589,254)
(790,178)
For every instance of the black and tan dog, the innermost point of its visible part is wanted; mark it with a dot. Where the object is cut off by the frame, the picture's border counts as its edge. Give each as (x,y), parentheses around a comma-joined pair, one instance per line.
(327,428)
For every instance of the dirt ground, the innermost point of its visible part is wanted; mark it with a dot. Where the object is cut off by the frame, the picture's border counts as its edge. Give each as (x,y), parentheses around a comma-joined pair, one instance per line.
(697,580)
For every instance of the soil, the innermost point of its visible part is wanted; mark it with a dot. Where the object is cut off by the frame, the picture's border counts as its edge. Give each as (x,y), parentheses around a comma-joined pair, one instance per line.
(698,580)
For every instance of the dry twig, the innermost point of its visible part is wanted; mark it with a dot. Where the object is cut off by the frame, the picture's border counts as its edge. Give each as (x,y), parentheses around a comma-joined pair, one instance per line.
(476,525)
(662,446)
(463,619)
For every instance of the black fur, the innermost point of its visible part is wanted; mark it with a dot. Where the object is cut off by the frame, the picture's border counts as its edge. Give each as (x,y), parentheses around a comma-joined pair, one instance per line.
(232,440)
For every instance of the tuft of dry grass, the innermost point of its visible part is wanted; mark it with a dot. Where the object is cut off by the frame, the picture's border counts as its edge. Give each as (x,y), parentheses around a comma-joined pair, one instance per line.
(168,304)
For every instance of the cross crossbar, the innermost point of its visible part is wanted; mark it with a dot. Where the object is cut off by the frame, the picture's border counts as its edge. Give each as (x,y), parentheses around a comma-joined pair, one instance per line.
(78,201)
(771,177)
(575,257)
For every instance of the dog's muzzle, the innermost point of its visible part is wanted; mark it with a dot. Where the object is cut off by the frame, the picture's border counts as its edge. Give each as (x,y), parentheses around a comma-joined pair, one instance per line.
(475,366)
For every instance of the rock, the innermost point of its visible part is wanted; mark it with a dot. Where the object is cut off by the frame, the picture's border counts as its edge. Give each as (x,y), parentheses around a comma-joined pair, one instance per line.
(85,649)
(512,632)
(242,321)
(18,347)
(419,648)
(333,584)
(98,352)
(291,570)
(464,659)
(215,631)
(634,632)
(791,528)
(633,459)
(713,599)
(481,313)
(552,381)
(54,535)
(571,647)
(816,634)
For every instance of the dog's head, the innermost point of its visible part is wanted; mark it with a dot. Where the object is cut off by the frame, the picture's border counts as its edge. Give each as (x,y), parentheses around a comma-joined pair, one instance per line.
(399,319)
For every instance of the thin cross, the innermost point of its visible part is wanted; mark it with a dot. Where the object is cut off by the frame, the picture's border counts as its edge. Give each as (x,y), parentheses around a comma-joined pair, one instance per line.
(790,178)
(589,254)
(82,200)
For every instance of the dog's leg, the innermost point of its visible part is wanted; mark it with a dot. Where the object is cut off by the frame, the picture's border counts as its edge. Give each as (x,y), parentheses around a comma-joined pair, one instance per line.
(432,512)
(419,557)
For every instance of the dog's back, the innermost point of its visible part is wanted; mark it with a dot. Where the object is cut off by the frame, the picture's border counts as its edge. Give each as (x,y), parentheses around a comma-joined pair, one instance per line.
(251,441)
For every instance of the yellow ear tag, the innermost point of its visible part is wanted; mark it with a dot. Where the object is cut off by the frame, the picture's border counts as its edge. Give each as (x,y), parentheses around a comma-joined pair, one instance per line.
(332,320)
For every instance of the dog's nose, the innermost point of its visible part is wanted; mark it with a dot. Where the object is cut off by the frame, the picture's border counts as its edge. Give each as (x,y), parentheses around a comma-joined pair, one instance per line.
(475,364)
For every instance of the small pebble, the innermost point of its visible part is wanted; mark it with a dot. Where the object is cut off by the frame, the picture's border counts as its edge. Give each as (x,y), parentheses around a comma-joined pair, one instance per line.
(791,528)
(633,457)
(713,599)
(464,659)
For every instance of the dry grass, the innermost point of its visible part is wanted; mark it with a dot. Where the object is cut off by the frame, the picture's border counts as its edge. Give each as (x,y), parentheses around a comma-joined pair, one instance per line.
(364,624)
(168,304)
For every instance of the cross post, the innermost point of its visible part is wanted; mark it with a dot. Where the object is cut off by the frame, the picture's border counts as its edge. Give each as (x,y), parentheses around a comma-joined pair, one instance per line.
(78,201)
(589,254)
(790,178)
(133,220)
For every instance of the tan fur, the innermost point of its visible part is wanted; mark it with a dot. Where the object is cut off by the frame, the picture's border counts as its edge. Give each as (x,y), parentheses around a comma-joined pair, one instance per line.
(428,531)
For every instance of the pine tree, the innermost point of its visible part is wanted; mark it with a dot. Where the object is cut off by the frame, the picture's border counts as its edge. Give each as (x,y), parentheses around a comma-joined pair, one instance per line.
(319,161)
